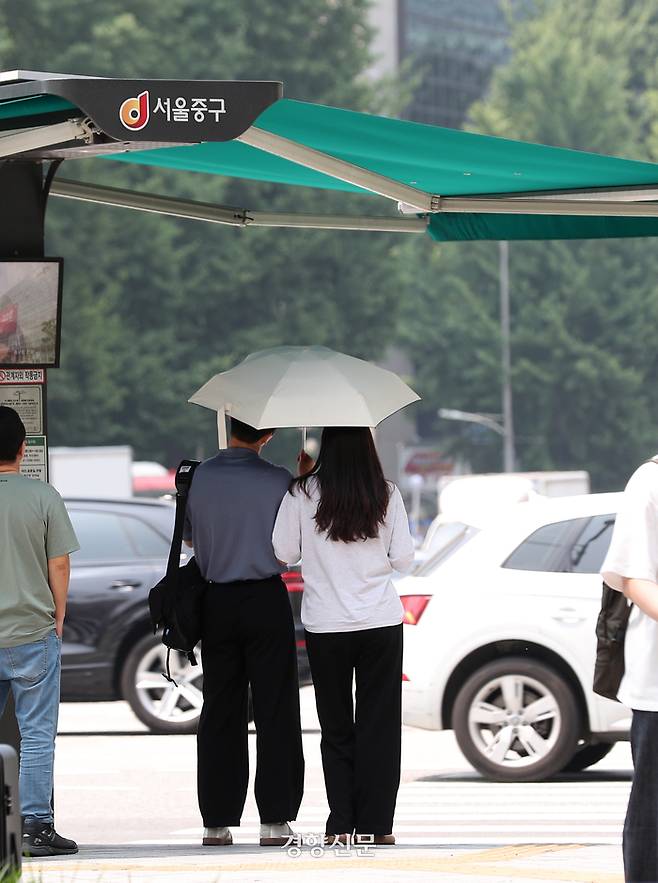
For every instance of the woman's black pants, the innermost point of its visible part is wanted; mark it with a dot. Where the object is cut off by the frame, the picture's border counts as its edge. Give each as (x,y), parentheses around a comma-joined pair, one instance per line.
(360,745)
(249,638)
(641,826)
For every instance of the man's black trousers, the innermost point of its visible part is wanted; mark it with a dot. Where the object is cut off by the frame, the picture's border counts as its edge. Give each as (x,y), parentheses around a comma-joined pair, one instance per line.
(641,826)
(360,746)
(249,638)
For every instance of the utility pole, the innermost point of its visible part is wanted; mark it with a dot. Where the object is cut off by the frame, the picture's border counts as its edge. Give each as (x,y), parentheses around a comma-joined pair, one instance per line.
(509,456)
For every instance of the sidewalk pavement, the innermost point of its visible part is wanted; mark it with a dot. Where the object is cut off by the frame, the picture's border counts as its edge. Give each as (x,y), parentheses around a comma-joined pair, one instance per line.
(527,863)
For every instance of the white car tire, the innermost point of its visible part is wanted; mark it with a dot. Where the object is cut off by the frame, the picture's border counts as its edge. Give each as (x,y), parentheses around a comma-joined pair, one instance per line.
(517,720)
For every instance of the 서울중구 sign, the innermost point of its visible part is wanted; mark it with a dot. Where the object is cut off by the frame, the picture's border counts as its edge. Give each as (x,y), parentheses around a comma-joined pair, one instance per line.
(22,375)
(168,111)
(27,401)
(35,461)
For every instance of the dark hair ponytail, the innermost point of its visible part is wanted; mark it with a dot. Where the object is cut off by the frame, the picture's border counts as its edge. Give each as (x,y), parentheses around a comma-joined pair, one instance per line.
(354,494)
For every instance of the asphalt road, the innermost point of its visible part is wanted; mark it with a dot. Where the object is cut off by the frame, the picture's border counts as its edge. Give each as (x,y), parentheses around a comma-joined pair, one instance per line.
(122,792)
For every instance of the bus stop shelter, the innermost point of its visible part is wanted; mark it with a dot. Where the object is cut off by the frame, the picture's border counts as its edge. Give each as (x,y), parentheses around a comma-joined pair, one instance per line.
(450,185)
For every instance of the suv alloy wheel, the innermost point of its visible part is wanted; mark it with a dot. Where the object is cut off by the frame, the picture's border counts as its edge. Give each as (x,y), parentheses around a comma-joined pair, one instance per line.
(165,708)
(162,706)
(516,720)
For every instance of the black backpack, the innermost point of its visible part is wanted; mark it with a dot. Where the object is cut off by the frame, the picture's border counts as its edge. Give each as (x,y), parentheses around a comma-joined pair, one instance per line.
(176,602)
(611,628)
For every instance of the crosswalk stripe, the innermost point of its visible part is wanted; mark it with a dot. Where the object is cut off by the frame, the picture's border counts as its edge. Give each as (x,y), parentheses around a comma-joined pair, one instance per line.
(472,813)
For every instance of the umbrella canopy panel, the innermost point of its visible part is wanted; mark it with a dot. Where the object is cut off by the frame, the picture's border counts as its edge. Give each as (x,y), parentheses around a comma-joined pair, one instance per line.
(305,386)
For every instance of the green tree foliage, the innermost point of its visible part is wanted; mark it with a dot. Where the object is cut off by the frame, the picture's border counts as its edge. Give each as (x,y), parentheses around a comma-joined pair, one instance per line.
(154,306)
(584,314)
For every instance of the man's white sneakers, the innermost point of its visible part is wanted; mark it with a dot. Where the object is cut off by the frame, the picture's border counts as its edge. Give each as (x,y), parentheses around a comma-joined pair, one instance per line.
(217,837)
(276,834)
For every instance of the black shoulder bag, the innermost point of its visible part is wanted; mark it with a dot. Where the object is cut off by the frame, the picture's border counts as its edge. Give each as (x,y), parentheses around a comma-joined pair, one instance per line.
(176,602)
(611,628)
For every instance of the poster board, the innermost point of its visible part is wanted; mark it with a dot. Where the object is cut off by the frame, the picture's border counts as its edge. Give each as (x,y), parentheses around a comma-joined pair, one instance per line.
(30,312)
(24,390)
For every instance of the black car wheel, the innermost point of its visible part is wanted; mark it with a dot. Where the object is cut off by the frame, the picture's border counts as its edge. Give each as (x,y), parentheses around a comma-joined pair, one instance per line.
(516,720)
(164,707)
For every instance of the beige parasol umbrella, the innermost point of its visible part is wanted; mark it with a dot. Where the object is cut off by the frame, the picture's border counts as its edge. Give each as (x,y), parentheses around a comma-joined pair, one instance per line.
(303,386)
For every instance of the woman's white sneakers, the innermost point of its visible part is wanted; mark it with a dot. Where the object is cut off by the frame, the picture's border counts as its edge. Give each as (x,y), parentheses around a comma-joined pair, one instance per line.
(276,834)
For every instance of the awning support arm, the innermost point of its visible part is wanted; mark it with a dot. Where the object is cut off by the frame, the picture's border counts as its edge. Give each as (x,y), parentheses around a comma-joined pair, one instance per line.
(639,193)
(44,136)
(235,217)
(340,169)
(242,217)
(564,206)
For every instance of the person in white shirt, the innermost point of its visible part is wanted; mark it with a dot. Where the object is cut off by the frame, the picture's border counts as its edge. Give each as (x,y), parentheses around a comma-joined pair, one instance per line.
(631,567)
(350,528)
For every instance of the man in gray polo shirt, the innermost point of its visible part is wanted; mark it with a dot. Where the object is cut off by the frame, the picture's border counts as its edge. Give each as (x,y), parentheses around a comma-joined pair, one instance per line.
(248,638)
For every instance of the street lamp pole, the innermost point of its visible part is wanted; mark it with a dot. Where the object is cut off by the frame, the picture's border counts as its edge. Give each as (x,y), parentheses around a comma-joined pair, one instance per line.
(509,456)
(505,428)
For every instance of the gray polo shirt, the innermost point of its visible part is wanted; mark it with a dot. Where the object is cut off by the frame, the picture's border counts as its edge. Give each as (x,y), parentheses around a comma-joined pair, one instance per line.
(231,510)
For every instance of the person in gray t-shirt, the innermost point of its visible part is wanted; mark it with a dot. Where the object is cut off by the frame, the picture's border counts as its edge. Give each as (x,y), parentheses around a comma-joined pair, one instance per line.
(36,540)
(248,639)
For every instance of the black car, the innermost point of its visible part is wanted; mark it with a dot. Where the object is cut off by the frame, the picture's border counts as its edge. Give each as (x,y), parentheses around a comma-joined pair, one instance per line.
(109,650)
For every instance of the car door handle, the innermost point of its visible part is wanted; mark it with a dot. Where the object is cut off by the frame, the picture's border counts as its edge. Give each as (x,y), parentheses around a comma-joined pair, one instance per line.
(125,585)
(569,616)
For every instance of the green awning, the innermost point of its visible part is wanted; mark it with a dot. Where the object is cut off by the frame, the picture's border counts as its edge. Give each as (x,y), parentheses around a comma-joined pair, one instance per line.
(448,227)
(459,185)
(431,158)
(37,105)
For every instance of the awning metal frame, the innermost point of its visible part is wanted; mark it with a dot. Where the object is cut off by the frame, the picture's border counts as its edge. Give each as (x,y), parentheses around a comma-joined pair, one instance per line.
(229,215)
(79,129)
(554,206)
(81,136)
(339,169)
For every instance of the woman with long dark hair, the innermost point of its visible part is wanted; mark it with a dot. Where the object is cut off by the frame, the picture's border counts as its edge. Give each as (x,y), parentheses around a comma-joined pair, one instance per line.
(350,528)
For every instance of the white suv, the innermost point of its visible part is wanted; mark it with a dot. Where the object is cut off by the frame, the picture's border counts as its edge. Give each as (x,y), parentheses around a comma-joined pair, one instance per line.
(500,639)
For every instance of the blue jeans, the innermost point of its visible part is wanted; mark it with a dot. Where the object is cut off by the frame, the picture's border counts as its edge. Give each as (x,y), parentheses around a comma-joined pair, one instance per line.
(32,673)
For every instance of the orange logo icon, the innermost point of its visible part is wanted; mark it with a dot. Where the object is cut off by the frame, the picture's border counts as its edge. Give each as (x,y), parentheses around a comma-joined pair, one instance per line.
(134,112)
